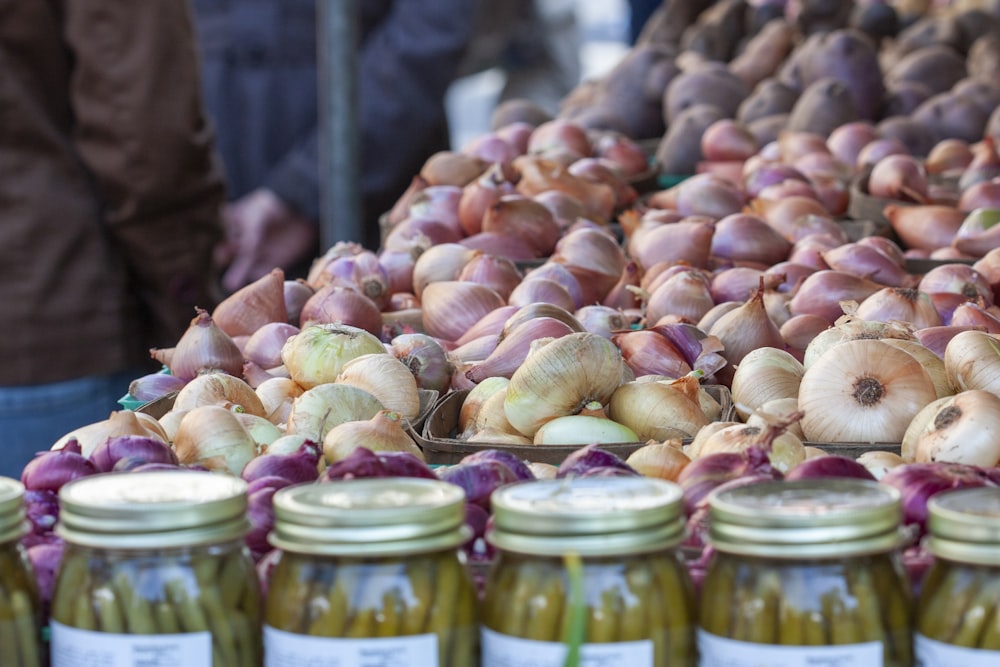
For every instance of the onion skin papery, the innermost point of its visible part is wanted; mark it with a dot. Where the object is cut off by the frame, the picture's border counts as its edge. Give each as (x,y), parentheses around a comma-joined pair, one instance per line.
(862,391)
(204,346)
(382,433)
(965,428)
(317,354)
(662,460)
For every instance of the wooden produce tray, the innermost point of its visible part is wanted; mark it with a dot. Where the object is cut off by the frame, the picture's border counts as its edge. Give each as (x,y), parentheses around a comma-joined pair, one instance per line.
(441,447)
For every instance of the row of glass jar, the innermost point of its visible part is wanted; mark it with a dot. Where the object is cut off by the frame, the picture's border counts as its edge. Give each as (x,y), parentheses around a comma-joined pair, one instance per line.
(804,573)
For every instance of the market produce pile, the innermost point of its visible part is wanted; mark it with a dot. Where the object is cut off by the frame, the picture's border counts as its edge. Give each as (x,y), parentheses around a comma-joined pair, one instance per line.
(804,268)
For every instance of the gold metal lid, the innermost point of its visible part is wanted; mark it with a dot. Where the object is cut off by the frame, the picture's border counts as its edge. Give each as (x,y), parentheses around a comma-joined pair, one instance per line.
(369,517)
(964,525)
(822,518)
(157,509)
(12,523)
(591,516)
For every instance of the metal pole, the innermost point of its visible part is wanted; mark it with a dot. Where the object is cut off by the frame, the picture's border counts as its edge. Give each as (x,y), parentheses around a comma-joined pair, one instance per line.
(339,162)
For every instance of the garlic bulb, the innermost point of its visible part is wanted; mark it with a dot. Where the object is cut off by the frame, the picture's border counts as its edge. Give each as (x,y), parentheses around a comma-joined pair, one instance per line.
(659,410)
(317,354)
(765,374)
(382,433)
(219,389)
(321,408)
(212,436)
(386,378)
(862,391)
(559,377)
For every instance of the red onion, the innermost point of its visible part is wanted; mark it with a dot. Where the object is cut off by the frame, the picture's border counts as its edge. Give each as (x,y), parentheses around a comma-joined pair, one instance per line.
(264,346)
(601,320)
(958,279)
(49,470)
(821,293)
(918,482)
(747,238)
(926,227)
(799,330)
(707,473)
(789,188)
(936,339)
(269,482)
(511,352)
(297,292)
(479,479)
(560,133)
(398,266)
(153,386)
(490,324)
(425,358)
(560,274)
(790,273)
(768,174)
(492,148)
(45,559)
(522,217)
(688,241)
(736,283)
(204,346)
(865,261)
(948,156)
(809,250)
(745,329)
(493,271)
(360,463)
(785,215)
(512,247)
(979,232)
(591,457)
(473,351)
(41,508)
(647,352)
(686,294)
(337,304)
(879,149)
(705,194)
(700,350)
(438,202)
(517,466)
(146,449)
(598,170)
(260,512)
(899,177)
(795,144)
(822,467)
(726,139)
(972,315)
(565,208)
(404,464)
(623,295)
(540,290)
(299,466)
(847,141)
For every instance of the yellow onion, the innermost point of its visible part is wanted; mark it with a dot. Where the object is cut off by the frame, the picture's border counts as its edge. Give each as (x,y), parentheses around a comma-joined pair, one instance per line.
(879,462)
(386,378)
(384,432)
(277,396)
(474,400)
(489,436)
(933,364)
(170,422)
(659,410)
(964,428)
(560,377)
(662,460)
(862,391)
(317,354)
(321,408)
(972,361)
(219,389)
(777,410)
(261,430)
(213,437)
(490,417)
(763,375)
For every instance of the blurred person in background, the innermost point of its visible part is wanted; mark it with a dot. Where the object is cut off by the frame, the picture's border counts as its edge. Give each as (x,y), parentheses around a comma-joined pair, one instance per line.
(260,83)
(110,201)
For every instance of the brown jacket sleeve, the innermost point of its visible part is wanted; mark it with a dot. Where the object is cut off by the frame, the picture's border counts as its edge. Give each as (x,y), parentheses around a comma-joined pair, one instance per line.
(140,130)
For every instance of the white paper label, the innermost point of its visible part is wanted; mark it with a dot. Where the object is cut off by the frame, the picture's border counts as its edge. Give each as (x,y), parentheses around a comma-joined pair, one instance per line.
(932,653)
(506,651)
(83,648)
(718,651)
(287,649)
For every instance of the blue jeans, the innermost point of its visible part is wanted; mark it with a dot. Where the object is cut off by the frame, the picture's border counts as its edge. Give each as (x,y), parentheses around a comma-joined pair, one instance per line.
(32,418)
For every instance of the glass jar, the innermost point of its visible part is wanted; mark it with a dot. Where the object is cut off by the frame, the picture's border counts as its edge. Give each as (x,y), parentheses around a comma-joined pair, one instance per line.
(370,567)
(588,562)
(958,615)
(805,573)
(155,571)
(20,612)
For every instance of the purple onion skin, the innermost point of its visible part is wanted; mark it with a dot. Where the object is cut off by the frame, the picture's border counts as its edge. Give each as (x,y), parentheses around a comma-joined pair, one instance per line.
(49,470)
(823,467)
(360,463)
(477,519)
(42,510)
(591,456)
(404,464)
(918,482)
(708,473)
(607,471)
(260,512)
(516,465)
(479,480)
(300,466)
(151,450)
(45,559)
(270,482)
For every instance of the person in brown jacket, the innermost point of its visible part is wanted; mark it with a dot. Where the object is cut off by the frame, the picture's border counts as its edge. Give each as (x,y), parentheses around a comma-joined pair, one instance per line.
(110,200)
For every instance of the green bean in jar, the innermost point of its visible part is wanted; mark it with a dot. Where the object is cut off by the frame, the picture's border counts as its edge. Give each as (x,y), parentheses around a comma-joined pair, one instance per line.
(20,610)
